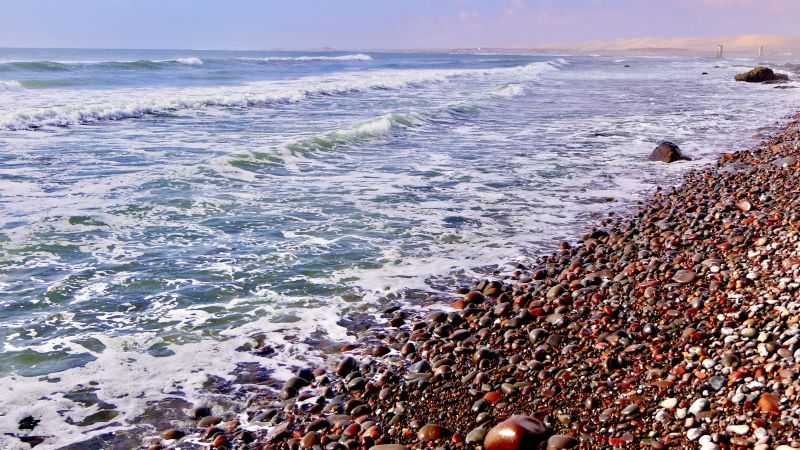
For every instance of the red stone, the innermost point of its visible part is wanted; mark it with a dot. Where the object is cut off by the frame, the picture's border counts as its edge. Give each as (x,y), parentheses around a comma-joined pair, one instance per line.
(616,441)
(516,433)
(431,432)
(769,403)
(493,397)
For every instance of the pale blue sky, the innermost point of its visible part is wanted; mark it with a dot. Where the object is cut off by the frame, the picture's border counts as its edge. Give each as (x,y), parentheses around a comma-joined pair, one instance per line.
(372,24)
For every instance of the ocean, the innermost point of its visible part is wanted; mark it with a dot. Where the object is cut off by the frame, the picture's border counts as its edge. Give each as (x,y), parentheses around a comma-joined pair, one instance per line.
(161,208)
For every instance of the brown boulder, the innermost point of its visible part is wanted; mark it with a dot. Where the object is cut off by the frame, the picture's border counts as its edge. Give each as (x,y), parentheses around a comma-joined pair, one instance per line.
(666,152)
(516,433)
(760,74)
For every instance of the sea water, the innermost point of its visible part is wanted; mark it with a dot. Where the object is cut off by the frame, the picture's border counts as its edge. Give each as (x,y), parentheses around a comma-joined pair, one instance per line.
(159,209)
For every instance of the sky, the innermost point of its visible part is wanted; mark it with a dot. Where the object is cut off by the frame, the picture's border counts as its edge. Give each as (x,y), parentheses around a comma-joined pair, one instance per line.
(378,24)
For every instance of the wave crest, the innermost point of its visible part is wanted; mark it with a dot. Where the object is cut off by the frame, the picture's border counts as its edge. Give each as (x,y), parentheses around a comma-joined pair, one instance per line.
(379,126)
(353,57)
(191,61)
(250,95)
(10,85)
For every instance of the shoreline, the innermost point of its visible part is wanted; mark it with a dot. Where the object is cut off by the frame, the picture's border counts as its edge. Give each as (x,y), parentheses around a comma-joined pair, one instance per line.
(676,326)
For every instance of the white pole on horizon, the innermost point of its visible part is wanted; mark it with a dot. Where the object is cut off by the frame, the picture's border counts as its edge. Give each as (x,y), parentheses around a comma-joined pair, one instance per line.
(719,51)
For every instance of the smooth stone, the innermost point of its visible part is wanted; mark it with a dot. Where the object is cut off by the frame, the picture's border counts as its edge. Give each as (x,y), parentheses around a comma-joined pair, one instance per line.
(200,412)
(716,382)
(477,435)
(749,332)
(421,366)
(347,365)
(698,406)
(669,403)
(662,416)
(459,335)
(769,402)
(738,429)
(666,152)
(561,441)
(389,447)
(684,276)
(296,383)
(173,433)
(209,421)
(431,432)
(287,393)
(695,434)
(730,360)
(630,410)
(554,292)
(309,440)
(515,433)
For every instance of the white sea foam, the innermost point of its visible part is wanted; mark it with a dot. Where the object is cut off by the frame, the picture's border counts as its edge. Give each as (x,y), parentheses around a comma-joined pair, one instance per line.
(149,378)
(353,57)
(191,61)
(509,90)
(8,85)
(119,105)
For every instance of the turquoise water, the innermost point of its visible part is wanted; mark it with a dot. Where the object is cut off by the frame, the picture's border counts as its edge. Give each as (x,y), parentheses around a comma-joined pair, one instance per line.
(159,208)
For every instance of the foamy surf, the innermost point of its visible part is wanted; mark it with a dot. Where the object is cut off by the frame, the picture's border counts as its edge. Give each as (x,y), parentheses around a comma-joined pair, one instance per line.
(8,85)
(509,90)
(57,399)
(353,57)
(190,61)
(254,94)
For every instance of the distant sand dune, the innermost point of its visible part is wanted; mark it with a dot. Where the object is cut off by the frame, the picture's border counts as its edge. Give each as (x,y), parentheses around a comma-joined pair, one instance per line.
(745,45)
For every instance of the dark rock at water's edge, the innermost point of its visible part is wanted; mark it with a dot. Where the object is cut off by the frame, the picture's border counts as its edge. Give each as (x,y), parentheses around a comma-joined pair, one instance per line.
(761,74)
(666,152)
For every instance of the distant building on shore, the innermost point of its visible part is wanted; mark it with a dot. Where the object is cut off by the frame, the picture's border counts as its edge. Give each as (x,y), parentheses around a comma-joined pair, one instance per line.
(719,51)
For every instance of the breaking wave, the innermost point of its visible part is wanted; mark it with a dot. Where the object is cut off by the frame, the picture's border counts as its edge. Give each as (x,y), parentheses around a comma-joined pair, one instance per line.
(253,94)
(65,66)
(190,61)
(354,57)
(377,127)
(10,85)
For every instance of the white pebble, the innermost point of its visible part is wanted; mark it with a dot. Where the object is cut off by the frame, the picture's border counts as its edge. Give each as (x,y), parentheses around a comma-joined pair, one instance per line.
(669,403)
(738,429)
(698,406)
(695,433)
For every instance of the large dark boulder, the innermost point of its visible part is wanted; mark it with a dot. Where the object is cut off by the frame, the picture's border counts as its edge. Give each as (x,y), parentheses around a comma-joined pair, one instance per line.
(666,152)
(760,74)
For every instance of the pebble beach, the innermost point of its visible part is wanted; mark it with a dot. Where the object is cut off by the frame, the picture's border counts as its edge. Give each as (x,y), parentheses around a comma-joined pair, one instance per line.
(332,250)
(676,325)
